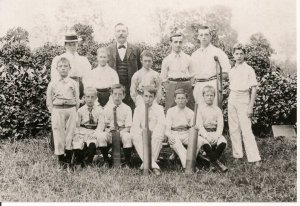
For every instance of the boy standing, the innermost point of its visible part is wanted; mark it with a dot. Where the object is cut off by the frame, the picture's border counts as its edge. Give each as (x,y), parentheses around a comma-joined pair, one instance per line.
(210,124)
(156,124)
(102,77)
(143,77)
(90,123)
(62,102)
(178,123)
(240,106)
(124,121)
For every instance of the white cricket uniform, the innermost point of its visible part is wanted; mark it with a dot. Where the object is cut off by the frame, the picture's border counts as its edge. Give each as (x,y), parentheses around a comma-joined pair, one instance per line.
(242,78)
(177,117)
(124,121)
(62,101)
(139,80)
(210,124)
(84,119)
(204,66)
(156,127)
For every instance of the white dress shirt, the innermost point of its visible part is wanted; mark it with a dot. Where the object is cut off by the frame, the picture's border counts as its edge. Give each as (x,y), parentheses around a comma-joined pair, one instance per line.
(122,51)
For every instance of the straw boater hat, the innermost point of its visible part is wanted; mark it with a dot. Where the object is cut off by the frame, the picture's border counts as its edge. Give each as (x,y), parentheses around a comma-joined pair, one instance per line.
(71,37)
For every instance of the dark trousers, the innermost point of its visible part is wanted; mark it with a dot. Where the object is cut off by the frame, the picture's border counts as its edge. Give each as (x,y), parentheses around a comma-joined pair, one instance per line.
(125,81)
(171,86)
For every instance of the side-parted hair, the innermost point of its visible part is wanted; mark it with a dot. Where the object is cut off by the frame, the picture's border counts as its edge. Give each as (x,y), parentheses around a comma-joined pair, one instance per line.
(150,89)
(180,91)
(208,88)
(102,50)
(64,60)
(121,24)
(238,46)
(118,86)
(175,35)
(90,89)
(147,53)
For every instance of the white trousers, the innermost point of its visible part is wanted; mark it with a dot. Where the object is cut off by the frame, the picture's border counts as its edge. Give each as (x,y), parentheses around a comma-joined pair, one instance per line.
(105,138)
(85,135)
(63,126)
(198,93)
(240,126)
(181,139)
(156,145)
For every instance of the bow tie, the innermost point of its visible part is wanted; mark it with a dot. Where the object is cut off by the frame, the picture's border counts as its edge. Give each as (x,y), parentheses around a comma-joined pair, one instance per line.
(121,46)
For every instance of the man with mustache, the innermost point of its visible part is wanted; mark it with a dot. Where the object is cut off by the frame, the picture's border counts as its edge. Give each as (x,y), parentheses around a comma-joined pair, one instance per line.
(125,59)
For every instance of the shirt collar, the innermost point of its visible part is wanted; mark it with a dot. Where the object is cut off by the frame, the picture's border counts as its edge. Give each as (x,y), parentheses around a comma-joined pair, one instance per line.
(125,44)
(174,54)
(207,48)
(240,65)
(75,54)
(65,80)
(101,67)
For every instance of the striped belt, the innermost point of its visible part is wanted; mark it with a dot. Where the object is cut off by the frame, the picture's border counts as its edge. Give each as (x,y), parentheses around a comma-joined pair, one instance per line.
(64,106)
(211,129)
(179,79)
(179,129)
(206,80)
(104,89)
(89,126)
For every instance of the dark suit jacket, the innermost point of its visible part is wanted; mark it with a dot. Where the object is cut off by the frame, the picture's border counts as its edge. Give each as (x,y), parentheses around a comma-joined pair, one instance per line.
(133,57)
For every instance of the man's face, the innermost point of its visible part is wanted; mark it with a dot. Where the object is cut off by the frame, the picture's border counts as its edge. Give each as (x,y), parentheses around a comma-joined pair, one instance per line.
(118,96)
(204,36)
(181,100)
(90,98)
(239,56)
(148,98)
(147,62)
(176,43)
(71,47)
(121,34)
(102,58)
(209,97)
(63,68)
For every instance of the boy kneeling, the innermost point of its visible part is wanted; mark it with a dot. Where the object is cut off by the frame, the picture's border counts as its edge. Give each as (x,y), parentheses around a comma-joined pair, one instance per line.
(90,123)
(210,124)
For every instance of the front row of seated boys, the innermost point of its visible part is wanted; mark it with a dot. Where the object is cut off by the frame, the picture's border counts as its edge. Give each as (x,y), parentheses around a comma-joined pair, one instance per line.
(89,128)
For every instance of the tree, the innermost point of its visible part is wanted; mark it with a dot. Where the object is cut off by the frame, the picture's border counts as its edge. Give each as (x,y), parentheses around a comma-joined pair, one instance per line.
(16,35)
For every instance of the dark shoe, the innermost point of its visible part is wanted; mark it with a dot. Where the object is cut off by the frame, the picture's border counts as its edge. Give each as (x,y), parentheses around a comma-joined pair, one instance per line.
(221,166)
(156,171)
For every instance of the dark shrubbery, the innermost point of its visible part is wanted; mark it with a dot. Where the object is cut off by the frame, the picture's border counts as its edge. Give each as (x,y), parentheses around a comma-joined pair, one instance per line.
(25,74)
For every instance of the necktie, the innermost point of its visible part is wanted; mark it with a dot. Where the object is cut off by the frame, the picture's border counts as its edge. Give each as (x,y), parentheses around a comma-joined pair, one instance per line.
(121,46)
(91,119)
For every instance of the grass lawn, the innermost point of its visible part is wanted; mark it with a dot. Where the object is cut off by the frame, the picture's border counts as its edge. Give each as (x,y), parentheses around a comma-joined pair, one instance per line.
(29,172)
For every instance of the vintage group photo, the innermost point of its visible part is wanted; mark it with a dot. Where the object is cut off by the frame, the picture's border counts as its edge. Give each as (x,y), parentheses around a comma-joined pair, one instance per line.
(148,101)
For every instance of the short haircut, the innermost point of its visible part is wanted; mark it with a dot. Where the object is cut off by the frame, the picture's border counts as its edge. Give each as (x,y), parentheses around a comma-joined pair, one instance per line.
(238,46)
(121,24)
(102,50)
(208,88)
(180,91)
(90,89)
(175,35)
(150,89)
(204,27)
(64,60)
(118,86)
(147,53)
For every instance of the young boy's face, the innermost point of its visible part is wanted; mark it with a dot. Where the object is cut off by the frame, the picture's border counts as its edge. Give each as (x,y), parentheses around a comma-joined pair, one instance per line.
(90,98)
(118,96)
(181,100)
(148,98)
(102,58)
(147,62)
(209,97)
(239,56)
(63,68)
(204,36)
(177,43)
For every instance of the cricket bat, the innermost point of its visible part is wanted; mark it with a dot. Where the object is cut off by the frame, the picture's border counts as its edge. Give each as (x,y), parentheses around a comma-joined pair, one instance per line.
(146,143)
(192,146)
(116,142)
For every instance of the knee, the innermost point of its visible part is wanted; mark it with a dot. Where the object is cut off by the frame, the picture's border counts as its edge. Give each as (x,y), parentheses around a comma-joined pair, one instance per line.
(102,139)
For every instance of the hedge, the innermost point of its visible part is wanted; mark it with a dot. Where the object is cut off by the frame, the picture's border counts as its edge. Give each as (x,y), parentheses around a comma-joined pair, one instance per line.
(25,74)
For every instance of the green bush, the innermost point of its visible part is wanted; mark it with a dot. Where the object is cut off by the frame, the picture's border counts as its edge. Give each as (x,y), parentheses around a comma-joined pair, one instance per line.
(25,74)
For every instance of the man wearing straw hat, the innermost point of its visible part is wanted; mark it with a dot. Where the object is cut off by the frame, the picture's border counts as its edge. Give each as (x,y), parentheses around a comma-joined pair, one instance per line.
(80,65)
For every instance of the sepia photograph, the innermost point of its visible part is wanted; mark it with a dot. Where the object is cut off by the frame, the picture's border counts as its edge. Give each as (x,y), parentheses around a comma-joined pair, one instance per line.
(148,101)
